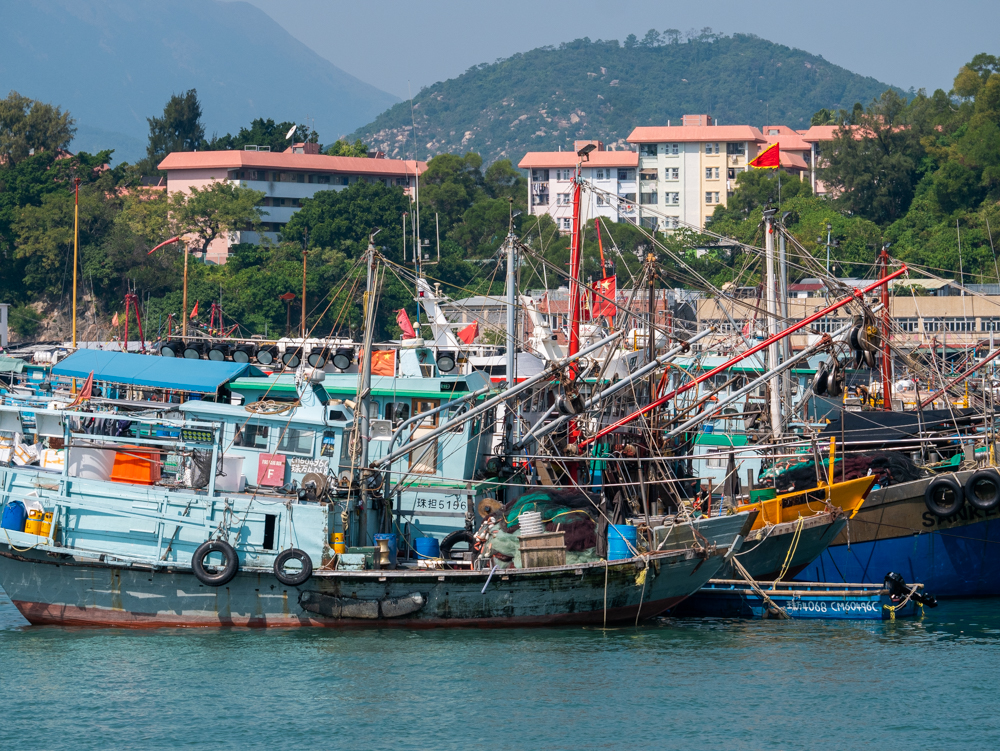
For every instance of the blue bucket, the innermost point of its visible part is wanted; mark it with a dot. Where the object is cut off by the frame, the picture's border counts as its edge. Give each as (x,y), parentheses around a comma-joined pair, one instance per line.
(14,516)
(618,536)
(427,547)
(392,546)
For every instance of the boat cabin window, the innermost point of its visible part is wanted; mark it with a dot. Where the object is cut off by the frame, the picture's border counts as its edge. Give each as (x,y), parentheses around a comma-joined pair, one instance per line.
(398,412)
(454,412)
(251,436)
(296,441)
(715,457)
(426,405)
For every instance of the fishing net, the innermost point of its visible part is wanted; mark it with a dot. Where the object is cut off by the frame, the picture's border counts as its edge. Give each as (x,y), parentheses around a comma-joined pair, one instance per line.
(889,468)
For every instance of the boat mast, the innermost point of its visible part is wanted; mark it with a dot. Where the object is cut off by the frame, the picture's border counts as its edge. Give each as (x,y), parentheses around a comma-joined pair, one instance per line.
(574,273)
(772,322)
(365,389)
(886,357)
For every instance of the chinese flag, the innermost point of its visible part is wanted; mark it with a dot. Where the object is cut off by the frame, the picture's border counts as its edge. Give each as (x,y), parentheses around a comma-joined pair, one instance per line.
(194,311)
(404,323)
(384,362)
(469,333)
(769,158)
(606,287)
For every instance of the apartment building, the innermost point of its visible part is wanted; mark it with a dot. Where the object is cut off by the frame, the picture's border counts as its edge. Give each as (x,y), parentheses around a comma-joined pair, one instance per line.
(550,186)
(286,179)
(816,136)
(686,170)
(795,151)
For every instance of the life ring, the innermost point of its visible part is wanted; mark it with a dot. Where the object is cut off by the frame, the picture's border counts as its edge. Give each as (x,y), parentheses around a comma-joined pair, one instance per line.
(936,497)
(984,479)
(231,563)
(297,578)
(459,535)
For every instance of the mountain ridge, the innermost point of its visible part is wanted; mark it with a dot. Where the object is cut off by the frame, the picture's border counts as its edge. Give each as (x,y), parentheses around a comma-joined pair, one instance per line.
(136,54)
(549,96)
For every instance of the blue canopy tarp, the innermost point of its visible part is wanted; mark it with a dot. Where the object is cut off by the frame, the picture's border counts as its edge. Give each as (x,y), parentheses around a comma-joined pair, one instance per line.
(179,374)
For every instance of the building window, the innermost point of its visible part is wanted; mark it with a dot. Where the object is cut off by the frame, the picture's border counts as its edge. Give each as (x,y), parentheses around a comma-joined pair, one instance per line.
(708,198)
(564,174)
(932,325)
(626,174)
(990,324)
(711,173)
(711,148)
(649,222)
(672,173)
(599,174)
(601,201)
(647,198)
(673,199)
(735,149)
(562,199)
(403,181)
(716,195)
(629,197)
(731,173)
(960,324)
(540,199)
(647,174)
(566,224)
(540,175)
(673,149)
(647,149)
(908,325)
(671,222)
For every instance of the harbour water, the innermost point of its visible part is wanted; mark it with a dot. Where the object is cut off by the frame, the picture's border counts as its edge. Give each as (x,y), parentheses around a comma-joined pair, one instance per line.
(917,683)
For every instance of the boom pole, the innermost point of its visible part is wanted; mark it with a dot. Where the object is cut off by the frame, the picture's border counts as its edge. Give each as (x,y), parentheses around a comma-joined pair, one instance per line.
(856,294)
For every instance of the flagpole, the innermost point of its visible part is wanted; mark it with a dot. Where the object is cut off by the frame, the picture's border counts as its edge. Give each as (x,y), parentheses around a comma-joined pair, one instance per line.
(184,304)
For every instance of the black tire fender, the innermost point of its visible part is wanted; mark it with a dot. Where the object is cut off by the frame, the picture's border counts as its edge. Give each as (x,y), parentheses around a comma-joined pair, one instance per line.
(459,535)
(299,577)
(228,570)
(988,478)
(819,380)
(940,487)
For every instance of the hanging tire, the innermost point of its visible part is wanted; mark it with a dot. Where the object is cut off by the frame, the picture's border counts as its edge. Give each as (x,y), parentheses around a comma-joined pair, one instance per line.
(944,497)
(819,380)
(297,578)
(982,489)
(460,535)
(221,576)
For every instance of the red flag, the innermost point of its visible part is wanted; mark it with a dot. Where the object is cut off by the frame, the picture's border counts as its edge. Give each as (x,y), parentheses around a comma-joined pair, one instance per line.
(404,323)
(114,319)
(605,288)
(769,158)
(194,311)
(469,333)
(86,392)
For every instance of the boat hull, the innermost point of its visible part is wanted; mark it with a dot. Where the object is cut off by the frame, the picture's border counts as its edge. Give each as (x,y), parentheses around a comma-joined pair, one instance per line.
(68,592)
(765,559)
(894,531)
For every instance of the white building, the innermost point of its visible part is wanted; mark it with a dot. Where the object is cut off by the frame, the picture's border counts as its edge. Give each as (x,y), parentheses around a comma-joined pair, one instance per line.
(686,170)
(550,186)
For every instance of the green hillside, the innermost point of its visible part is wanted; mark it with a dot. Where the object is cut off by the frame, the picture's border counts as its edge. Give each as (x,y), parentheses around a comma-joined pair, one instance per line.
(545,98)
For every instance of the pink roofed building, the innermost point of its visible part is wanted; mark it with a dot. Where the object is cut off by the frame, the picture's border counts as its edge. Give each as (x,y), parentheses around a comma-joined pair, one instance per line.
(815,137)
(795,151)
(550,186)
(286,179)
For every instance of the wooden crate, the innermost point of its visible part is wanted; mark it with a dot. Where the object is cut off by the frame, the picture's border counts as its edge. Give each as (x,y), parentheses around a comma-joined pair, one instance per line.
(546,549)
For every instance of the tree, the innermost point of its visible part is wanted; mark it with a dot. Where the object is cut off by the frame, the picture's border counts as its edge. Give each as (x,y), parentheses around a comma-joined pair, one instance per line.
(758,188)
(179,129)
(205,214)
(872,165)
(265,133)
(345,148)
(28,126)
(450,185)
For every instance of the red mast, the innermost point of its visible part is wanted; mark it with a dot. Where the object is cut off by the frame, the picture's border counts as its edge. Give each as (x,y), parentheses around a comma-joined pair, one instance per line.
(886,357)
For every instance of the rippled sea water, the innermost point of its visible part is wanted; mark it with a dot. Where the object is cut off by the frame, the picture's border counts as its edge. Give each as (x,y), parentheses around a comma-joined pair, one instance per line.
(914,683)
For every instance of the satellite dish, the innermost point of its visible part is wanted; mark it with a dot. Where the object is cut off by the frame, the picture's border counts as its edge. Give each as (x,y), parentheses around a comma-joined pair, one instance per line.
(289,133)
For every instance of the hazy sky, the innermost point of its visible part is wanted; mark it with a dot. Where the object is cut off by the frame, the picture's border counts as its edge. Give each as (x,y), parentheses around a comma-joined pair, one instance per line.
(918,43)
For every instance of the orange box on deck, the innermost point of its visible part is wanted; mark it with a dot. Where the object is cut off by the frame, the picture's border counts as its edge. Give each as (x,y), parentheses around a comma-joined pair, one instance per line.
(136,465)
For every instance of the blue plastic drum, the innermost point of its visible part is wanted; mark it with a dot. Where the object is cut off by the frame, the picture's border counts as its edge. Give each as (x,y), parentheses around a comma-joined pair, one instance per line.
(620,536)
(14,516)
(427,547)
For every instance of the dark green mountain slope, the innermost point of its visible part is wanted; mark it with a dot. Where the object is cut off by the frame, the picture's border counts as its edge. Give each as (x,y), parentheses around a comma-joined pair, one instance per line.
(545,98)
